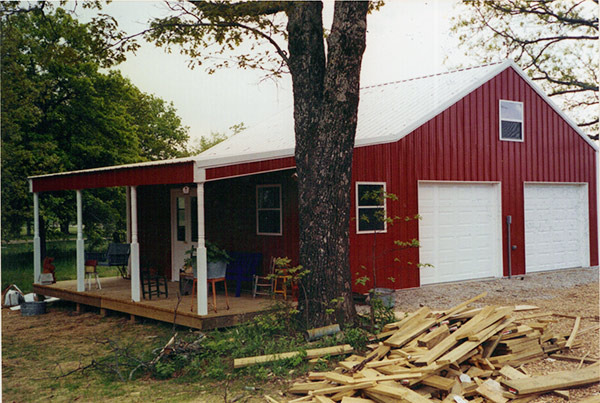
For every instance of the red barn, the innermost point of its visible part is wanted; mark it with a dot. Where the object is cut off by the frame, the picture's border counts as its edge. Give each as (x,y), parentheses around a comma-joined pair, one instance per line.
(504,183)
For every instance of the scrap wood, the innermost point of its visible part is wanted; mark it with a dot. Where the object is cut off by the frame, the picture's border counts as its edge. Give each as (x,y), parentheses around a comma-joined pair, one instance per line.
(355,400)
(461,306)
(591,399)
(511,373)
(312,353)
(337,389)
(270,399)
(573,332)
(305,387)
(399,392)
(492,390)
(569,357)
(375,355)
(556,380)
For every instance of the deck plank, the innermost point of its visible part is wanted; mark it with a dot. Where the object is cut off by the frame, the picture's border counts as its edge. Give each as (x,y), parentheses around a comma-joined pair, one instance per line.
(115,295)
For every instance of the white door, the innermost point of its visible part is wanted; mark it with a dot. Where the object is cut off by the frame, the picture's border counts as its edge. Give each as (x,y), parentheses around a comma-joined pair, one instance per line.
(184,227)
(460,231)
(556,226)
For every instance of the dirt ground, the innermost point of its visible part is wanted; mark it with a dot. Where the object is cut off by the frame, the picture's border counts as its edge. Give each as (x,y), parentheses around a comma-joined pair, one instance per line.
(37,349)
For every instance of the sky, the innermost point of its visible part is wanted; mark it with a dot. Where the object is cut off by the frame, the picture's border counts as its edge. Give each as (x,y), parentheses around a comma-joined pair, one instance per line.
(405,39)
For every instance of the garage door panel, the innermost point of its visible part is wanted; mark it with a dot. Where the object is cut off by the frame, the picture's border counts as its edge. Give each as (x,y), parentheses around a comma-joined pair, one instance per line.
(556,226)
(460,231)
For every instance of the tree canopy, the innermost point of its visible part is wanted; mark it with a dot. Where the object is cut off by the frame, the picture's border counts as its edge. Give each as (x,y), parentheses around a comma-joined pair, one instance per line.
(554,41)
(61,112)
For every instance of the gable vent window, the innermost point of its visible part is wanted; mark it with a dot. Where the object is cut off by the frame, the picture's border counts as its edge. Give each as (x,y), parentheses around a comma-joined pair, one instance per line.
(511,120)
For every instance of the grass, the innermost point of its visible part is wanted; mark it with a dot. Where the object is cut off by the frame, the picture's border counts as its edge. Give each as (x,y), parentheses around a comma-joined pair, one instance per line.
(38,350)
(17,263)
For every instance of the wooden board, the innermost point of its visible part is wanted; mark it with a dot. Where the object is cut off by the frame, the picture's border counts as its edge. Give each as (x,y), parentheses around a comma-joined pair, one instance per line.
(312,353)
(557,380)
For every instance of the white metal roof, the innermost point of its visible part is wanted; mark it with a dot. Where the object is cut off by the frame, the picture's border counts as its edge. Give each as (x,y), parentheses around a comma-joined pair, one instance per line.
(386,113)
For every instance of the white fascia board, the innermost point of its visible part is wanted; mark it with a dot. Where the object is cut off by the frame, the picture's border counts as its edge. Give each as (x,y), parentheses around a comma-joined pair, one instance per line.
(117,167)
(546,98)
(434,112)
(216,162)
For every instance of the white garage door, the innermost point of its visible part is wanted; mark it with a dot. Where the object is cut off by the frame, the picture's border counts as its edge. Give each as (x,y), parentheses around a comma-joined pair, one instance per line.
(556,226)
(460,231)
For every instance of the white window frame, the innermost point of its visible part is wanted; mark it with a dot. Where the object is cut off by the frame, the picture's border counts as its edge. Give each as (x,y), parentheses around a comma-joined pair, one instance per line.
(500,120)
(280,208)
(358,207)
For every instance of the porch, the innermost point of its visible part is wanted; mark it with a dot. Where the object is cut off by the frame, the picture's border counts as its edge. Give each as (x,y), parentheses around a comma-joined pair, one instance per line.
(115,295)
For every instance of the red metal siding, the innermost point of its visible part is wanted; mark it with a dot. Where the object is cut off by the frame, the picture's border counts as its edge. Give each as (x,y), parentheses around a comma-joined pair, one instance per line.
(462,144)
(230,211)
(249,168)
(134,176)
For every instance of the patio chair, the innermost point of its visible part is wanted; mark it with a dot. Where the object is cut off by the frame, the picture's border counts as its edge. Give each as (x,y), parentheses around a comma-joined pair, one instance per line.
(91,271)
(242,267)
(117,255)
(153,283)
(263,285)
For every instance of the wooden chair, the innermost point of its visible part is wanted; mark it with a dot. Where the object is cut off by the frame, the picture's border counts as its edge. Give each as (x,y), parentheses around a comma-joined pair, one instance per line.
(153,283)
(263,285)
(91,271)
(272,283)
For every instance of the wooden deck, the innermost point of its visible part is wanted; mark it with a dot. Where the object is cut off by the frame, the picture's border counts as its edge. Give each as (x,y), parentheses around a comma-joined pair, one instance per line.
(115,295)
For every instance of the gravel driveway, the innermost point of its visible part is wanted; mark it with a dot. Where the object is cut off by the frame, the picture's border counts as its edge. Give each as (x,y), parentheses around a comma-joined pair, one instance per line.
(536,286)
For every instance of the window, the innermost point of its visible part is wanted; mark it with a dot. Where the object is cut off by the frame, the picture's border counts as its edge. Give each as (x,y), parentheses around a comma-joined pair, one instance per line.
(370,207)
(268,210)
(181,219)
(511,120)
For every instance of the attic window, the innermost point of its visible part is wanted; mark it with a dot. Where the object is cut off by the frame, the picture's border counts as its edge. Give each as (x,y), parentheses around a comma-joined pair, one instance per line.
(511,120)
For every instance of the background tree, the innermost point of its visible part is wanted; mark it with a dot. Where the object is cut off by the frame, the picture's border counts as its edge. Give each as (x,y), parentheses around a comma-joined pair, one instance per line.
(326,94)
(554,41)
(60,112)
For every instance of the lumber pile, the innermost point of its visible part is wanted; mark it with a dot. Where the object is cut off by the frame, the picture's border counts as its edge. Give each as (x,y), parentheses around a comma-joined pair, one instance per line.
(459,355)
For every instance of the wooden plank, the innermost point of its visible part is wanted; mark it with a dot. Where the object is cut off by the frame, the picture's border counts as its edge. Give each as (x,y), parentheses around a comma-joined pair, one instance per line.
(399,392)
(434,337)
(312,353)
(573,332)
(460,306)
(492,390)
(569,357)
(305,387)
(338,389)
(557,380)
(439,382)
(511,373)
(403,336)
(356,400)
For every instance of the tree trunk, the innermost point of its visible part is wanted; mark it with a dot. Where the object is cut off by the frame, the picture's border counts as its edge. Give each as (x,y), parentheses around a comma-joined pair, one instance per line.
(326,95)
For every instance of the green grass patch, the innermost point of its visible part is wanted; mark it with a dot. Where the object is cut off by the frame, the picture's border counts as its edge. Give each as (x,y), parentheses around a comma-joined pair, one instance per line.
(17,263)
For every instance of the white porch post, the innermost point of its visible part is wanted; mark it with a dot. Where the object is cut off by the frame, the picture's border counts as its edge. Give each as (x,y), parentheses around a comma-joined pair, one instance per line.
(201,256)
(135,249)
(80,245)
(37,248)
(128,216)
